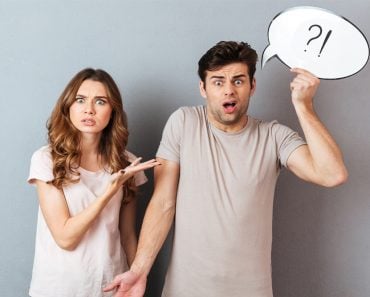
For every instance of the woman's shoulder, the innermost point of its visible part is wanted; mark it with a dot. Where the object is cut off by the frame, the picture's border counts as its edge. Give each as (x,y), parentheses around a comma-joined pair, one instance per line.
(41,165)
(43,152)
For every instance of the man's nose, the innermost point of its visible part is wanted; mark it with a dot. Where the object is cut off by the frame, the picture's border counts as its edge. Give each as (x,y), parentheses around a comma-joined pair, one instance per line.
(229,88)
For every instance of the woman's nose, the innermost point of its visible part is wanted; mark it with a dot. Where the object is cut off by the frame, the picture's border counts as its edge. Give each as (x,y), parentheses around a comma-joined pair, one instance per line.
(89,108)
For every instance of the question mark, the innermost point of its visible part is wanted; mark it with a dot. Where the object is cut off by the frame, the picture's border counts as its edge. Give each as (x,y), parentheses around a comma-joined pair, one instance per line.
(317,36)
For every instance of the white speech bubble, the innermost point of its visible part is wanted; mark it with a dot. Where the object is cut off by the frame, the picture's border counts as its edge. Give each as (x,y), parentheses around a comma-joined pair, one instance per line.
(318,40)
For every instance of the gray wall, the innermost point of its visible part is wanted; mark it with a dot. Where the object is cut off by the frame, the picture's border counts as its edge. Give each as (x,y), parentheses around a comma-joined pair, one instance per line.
(151,48)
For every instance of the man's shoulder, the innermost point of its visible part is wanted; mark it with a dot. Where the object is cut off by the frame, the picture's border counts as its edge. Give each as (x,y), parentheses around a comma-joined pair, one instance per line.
(191,110)
(271,127)
(262,124)
(186,113)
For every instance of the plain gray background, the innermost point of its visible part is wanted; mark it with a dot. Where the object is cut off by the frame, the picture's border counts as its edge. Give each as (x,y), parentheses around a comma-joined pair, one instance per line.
(151,48)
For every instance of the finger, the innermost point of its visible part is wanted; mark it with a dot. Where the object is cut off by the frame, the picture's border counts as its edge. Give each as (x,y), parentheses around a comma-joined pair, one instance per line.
(132,165)
(301,71)
(297,85)
(136,161)
(303,84)
(308,77)
(299,80)
(151,161)
(141,166)
(304,80)
(148,164)
(115,175)
(111,286)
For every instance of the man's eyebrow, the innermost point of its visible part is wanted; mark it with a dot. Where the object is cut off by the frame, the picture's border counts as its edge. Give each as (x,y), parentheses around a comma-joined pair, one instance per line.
(223,77)
(239,76)
(217,77)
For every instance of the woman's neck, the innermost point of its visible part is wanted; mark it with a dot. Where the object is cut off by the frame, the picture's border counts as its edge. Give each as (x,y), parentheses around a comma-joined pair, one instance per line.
(90,158)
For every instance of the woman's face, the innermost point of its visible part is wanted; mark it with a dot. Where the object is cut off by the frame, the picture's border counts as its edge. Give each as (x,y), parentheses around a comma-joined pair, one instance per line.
(91,111)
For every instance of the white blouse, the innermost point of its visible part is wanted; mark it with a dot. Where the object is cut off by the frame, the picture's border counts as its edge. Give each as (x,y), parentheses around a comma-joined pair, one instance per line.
(99,256)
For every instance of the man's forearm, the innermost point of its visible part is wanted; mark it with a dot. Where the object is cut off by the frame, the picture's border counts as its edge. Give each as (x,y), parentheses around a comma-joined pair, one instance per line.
(156,225)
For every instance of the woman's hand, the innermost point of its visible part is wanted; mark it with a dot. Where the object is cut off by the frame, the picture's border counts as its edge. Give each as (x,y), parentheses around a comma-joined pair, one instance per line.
(136,166)
(120,177)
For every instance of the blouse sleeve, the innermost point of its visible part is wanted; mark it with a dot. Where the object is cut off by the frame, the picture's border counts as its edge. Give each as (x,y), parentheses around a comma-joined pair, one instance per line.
(41,167)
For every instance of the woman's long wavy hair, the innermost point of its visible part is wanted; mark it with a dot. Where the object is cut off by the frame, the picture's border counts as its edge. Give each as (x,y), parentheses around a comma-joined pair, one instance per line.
(64,138)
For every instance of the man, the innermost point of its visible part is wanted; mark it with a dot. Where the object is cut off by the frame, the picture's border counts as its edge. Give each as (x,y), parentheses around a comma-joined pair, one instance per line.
(218,175)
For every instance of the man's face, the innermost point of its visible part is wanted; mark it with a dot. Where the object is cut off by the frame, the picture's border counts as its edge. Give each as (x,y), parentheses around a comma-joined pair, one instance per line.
(227,92)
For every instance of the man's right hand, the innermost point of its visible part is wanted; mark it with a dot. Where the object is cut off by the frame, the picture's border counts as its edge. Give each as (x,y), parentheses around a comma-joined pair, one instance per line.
(128,284)
(157,222)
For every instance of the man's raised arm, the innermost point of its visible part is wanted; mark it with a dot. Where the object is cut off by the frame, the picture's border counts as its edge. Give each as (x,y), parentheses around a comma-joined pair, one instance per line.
(320,161)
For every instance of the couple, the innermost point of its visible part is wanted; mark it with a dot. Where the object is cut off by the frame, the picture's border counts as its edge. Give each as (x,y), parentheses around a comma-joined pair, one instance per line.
(216,181)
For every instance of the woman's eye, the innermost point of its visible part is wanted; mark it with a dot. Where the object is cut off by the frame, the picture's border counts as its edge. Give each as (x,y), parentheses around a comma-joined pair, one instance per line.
(100,101)
(80,100)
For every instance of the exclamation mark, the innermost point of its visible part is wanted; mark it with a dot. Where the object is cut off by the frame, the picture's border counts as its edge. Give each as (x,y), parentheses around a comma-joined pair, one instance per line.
(323,45)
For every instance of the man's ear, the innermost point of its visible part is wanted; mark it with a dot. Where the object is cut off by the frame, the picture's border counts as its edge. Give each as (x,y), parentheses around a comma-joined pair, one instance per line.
(253,86)
(202,89)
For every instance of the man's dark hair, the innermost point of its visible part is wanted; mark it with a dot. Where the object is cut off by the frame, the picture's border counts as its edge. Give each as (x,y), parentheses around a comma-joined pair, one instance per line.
(227,52)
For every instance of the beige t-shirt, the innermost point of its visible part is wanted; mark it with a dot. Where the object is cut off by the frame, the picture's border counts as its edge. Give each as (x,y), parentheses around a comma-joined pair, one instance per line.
(98,257)
(223,223)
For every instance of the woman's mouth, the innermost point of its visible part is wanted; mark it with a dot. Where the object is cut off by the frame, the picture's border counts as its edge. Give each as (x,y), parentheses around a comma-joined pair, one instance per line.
(88,122)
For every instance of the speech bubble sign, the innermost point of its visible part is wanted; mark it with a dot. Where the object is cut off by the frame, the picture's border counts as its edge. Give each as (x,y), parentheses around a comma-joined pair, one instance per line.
(318,40)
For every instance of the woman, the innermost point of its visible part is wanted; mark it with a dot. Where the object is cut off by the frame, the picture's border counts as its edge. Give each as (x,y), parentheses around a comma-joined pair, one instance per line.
(86,188)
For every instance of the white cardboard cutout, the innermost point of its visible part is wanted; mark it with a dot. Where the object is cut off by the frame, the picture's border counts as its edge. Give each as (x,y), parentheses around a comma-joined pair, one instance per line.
(318,40)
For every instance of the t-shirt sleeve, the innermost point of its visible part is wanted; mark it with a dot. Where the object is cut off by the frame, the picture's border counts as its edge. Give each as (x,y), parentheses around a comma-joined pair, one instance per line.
(41,166)
(140,177)
(287,141)
(169,147)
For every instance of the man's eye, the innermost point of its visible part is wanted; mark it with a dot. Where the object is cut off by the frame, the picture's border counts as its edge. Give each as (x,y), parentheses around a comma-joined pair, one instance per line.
(238,82)
(218,83)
